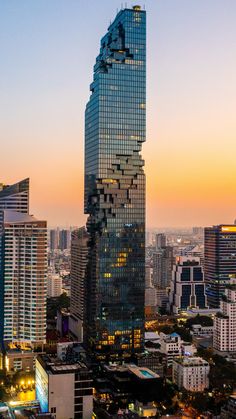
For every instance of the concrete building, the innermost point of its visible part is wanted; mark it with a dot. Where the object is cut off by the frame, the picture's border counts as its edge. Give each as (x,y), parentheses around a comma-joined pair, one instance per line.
(162,298)
(160,240)
(54,239)
(187,285)
(163,261)
(170,345)
(64,389)
(199,330)
(64,239)
(191,373)
(220,260)
(224,331)
(150,297)
(54,285)
(79,253)
(15,197)
(229,411)
(23,274)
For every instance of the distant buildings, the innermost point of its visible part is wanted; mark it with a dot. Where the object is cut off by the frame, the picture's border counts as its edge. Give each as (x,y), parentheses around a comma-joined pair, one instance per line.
(23,269)
(160,240)
(187,285)
(115,189)
(64,389)
(54,239)
(191,373)
(163,261)
(64,239)
(220,260)
(59,239)
(54,285)
(224,332)
(79,255)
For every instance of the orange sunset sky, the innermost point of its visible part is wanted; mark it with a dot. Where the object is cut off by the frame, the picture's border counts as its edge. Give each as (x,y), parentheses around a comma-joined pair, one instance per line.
(48,50)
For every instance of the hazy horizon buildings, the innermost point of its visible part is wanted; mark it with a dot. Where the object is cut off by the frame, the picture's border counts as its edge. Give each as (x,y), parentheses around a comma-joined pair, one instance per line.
(219,261)
(115,128)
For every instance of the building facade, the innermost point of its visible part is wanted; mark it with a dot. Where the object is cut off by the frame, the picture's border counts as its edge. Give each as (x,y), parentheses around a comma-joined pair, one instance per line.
(15,197)
(224,330)
(23,269)
(24,273)
(171,346)
(220,260)
(191,373)
(187,285)
(115,188)
(64,389)
(163,262)
(79,257)
(54,285)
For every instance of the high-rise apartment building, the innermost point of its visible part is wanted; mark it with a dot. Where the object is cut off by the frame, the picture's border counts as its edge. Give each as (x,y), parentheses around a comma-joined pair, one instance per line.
(79,255)
(64,239)
(115,188)
(224,331)
(54,239)
(54,285)
(160,240)
(23,269)
(187,285)
(15,197)
(163,261)
(220,260)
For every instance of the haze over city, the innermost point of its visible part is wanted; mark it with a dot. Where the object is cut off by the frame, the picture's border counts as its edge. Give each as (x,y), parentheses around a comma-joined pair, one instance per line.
(48,51)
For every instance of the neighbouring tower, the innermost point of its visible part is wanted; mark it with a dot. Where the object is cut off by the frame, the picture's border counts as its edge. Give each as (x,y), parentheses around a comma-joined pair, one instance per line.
(79,255)
(115,128)
(187,285)
(220,261)
(23,269)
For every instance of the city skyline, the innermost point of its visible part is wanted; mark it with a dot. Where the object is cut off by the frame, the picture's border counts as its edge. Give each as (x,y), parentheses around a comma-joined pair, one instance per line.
(190,149)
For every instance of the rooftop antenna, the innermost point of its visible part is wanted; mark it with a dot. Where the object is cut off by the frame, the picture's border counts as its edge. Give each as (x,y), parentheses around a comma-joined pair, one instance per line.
(121,6)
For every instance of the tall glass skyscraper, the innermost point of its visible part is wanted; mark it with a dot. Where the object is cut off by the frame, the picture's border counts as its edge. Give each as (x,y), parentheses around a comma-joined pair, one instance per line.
(115,123)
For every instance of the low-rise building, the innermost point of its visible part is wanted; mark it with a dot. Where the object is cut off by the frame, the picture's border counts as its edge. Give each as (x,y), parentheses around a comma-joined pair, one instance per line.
(64,389)
(170,345)
(199,330)
(191,373)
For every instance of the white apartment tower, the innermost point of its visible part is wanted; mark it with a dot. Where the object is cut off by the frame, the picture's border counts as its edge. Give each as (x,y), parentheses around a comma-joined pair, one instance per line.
(23,269)
(224,331)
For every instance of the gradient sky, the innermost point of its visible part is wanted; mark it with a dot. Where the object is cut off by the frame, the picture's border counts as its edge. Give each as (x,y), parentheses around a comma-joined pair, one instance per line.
(47,51)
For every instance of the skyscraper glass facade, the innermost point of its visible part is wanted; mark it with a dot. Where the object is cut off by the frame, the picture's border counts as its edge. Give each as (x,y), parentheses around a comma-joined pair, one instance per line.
(220,261)
(115,124)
